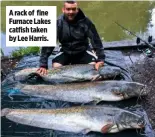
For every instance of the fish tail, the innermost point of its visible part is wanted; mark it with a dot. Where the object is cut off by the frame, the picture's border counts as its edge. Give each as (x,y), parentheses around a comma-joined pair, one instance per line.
(5,111)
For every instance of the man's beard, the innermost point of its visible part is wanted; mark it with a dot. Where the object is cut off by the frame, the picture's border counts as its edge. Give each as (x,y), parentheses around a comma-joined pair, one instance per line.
(70,17)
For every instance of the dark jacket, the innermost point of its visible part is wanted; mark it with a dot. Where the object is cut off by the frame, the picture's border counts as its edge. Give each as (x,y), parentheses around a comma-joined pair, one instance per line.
(74,38)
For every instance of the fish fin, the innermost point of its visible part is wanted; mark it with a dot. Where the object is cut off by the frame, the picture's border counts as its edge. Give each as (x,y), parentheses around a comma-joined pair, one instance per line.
(96,77)
(34,78)
(106,128)
(83,104)
(96,100)
(85,131)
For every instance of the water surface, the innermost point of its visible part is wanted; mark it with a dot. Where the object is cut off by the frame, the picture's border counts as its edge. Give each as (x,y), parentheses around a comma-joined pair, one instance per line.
(138,16)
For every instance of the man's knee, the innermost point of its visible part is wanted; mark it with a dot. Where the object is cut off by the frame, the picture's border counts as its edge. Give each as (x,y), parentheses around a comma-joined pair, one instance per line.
(56,65)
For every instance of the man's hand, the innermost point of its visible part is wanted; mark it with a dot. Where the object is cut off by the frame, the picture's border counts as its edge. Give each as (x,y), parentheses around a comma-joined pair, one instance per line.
(99,64)
(42,71)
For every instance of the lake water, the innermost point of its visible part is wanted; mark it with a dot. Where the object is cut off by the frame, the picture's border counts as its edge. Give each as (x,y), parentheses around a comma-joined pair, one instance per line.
(138,17)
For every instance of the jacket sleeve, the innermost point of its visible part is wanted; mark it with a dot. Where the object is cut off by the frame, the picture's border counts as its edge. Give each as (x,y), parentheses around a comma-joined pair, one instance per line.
(47,51)
(95,41)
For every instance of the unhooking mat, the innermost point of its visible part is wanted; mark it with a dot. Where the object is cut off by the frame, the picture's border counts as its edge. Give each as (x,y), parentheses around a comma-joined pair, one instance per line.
(12,129)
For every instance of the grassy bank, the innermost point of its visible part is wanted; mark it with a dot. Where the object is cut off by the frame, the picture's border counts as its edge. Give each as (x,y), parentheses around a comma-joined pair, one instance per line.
(25,51)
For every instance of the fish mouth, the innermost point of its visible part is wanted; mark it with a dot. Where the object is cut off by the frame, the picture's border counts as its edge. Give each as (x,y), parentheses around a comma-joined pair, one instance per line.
(107,128)
(141,123)
(141,126)
(118,94)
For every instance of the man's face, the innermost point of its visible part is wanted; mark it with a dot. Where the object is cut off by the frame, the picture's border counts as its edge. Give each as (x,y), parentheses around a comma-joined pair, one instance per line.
(70,10)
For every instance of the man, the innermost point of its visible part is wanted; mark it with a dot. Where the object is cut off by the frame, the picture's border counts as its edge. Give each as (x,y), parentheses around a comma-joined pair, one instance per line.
(73,31)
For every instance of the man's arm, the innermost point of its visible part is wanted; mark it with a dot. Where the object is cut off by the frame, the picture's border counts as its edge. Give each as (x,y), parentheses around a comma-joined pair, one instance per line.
(96,41)
(45,53)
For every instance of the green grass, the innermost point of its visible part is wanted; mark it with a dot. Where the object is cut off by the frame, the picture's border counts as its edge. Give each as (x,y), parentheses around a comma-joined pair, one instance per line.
(2,53)
(25,51)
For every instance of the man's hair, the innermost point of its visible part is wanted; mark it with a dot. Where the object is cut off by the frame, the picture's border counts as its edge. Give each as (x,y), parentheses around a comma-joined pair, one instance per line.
(70,1)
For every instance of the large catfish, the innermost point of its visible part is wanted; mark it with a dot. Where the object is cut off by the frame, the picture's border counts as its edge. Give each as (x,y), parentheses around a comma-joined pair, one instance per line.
(84,92)
(78,119)
(69,73)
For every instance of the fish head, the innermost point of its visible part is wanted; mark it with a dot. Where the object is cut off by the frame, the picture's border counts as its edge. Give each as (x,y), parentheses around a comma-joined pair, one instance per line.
(23,74)
(130,120)
(131,89)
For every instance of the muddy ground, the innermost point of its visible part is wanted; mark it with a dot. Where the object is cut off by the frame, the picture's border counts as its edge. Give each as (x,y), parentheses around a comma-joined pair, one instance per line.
(7,65)
(143,72)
